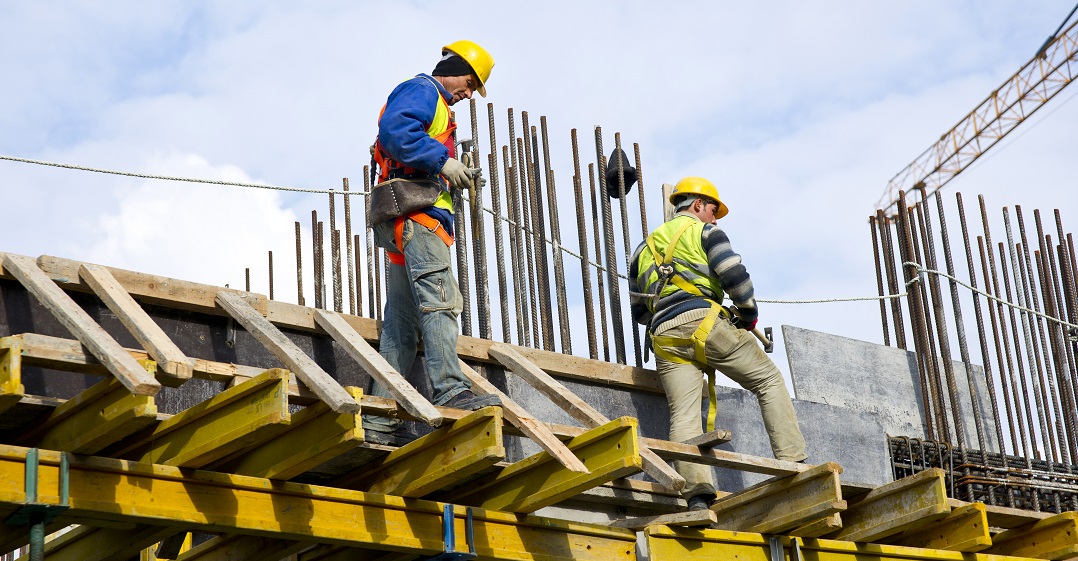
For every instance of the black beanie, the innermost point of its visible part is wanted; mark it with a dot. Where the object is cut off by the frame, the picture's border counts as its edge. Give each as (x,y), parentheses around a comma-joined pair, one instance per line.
(452,65)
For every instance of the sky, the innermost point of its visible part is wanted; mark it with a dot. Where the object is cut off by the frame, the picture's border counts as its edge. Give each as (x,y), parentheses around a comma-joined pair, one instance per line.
(799,112)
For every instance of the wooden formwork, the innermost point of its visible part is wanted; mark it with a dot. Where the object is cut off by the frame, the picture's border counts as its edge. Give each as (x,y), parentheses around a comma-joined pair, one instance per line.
(275,465)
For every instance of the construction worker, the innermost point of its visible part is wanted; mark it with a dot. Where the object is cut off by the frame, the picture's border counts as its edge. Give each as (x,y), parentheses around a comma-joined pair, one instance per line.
(416,141)
(677,279)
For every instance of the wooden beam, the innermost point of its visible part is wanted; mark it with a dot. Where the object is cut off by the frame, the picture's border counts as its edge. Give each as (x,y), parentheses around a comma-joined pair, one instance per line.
(821,527)
(579,409)
(689,518)
(129,492)
(89,543)
(913,501)
(778,505)
(378,367)
(232,547)
(218,427)
(609,451)
(1007,518)
(311,437)
(710,439)
(99,416)
(288,353)
(81,325)
(1055,537)
(173,367)
(11,388)
(964,529)
(520,418)
(445,457)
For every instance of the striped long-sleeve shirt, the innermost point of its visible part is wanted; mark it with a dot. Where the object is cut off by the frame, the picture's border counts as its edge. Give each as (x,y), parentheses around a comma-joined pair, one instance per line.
(723,263)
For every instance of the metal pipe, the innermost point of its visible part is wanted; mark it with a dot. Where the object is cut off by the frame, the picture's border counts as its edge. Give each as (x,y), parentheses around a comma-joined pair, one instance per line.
(599,262)
(479,237)
(618,326)
(299,267)
(879,279)
(633,327)
(348,249)
(496,207)
(582,240)
(555,238)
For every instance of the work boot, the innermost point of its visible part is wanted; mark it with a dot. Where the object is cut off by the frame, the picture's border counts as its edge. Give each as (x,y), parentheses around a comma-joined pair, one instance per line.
(470,402)
(700,502)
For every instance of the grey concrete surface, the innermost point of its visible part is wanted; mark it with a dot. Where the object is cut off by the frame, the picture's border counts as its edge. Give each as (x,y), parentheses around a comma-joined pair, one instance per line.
(877,379)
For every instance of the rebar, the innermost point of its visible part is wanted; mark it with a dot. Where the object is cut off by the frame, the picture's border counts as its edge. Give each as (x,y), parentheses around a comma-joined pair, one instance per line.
(299,267)
(1058,392)
(883,223)
(496,207)
(582,240)
(352,289)
(555,238)
(931,358)
(271,275)
(335,255)
(526,239)
(1022,380)
(625,241)
(517,261)
(538,230)
(599,262)
(356,245)
(618,325)
(913,297)
(640,192)
(374,289)
(315,260)
(1014,417)
(523,258)
(461,246)
(247,279)
(479,239)
(879,280)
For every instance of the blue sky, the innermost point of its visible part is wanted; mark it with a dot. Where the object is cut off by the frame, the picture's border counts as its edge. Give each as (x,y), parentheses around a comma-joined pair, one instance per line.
(800,113)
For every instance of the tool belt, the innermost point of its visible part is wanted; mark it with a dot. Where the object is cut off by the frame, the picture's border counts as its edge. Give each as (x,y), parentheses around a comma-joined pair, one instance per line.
(697,340)
(401,197)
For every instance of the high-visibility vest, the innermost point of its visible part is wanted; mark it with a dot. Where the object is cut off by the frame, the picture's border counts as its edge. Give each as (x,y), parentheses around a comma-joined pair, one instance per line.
(674,259)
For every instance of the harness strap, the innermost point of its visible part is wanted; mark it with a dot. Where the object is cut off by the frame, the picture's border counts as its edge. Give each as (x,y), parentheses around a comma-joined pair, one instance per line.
(666,270)
(698,340)
(423,219)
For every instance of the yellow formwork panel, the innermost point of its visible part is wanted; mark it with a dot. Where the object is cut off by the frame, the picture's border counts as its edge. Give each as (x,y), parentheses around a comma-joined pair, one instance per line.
(1052,538)
(101,415)
(11,388)
(120,491)
(669,544)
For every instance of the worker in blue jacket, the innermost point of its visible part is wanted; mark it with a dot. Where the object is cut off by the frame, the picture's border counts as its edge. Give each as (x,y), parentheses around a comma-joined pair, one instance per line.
(416,141)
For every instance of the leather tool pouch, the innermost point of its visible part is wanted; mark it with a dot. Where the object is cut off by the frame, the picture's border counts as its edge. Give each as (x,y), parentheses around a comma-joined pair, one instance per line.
(400,197)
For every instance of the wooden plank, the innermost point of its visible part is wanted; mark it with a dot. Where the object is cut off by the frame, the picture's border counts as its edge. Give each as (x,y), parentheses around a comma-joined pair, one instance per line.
(312,436)
(520,418)
(378,367)
(778,505)
(89,543)
(710,439)
(964,529)
(1007,518)
(1055,537)
(173,367)
(99,416)
(691,518)
(218,427)
(11,388)
(449,455)
(821,527)
(913,501)
(134,493)
(580,410)
(233,547)
(289,353)
(81,325)
(609,451)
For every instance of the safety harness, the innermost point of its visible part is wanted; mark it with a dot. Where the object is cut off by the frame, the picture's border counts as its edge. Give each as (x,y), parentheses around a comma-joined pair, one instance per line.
(423,219)
(667,274)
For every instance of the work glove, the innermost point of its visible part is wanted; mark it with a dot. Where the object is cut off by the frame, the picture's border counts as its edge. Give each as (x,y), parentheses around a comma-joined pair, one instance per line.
(745,317)
(458,174)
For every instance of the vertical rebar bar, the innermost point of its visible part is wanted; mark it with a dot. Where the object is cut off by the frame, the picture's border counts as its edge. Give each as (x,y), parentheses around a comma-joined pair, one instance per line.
(932,358)
(526,238)
(538,226)
(271,275)
(582,240)
(1006,370)
(1026,400)
(519,294)
(479,237)
(640,193)
(373,287)
(884,224)
(618,325)
(322,265)
(348,249)
(628,250)
(299,267)
(525,305)
(599,262)
(917,316)
(338,289)
(315,260)
(247,279)
(555,238)
(496,208)
(461,246)
(356,245)
(879,280)
(1045,268)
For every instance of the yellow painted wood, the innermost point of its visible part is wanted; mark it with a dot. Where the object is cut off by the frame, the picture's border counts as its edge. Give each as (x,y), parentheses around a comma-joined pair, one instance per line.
(609,451)
(890,509)
(1055,537)
(175,368)
(446,456)
(130,492)
(690,518)
(782,504)
(235,547)
(677,544)
(964,529)
(819,528)
(11,388)
(99,416)
(80,324)
(89,543)
(222,425)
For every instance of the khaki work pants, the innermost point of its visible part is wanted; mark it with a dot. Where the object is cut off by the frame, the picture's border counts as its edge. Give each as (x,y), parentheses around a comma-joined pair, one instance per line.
(734,353)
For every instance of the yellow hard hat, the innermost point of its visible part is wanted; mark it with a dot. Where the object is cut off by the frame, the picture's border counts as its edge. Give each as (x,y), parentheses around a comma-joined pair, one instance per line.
(699,187)
(477,57)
